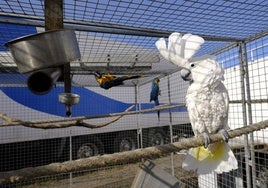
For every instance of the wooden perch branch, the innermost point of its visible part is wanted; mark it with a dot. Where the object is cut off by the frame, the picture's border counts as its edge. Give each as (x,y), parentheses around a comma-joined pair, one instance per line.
(81,123)
(119,158)
(63,125)
(77,121)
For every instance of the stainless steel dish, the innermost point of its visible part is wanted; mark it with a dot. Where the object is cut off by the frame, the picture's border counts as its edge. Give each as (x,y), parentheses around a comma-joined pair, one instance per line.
(44,50)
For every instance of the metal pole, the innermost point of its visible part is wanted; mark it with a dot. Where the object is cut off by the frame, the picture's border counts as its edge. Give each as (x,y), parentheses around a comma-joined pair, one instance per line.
(71,157)
(54,20)
(138,107)
(106,28)
(53,14)
(246,145)
(170,127)
(253,164)
(137,116)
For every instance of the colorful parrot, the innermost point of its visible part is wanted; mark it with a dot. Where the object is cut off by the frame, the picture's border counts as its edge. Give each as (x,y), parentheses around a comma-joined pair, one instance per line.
(106,81)
(155,92)
(207,102)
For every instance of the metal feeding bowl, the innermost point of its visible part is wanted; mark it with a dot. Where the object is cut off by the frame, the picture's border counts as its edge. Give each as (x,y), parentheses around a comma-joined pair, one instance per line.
(69,99)
(44,50)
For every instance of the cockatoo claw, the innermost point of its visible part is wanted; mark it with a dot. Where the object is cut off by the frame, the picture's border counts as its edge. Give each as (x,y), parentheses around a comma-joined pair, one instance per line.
(224,135)
(206,139)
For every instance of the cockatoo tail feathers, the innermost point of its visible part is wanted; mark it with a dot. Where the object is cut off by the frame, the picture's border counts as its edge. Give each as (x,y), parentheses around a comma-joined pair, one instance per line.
(217,157)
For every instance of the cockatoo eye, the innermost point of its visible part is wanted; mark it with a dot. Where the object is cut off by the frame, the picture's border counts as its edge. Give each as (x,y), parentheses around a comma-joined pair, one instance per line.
(192,65)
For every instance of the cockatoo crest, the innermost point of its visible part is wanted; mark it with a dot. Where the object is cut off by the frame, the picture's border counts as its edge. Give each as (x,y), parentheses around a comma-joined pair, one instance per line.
(180,48)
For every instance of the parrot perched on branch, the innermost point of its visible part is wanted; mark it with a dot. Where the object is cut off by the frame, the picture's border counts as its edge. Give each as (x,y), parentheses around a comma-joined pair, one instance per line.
(207,102)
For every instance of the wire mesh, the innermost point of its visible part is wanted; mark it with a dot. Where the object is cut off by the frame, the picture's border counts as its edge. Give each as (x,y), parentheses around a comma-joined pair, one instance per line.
(119,37)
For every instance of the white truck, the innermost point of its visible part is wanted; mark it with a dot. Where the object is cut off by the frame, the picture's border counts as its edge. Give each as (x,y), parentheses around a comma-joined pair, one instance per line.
(23,146)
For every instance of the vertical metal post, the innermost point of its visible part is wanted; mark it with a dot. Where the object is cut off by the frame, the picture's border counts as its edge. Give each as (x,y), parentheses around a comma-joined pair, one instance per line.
(139,131)
(54,20)
(253,164)
(246,145)
(170,114)
(71,157)
(170,126)
(53,14)
(67,78)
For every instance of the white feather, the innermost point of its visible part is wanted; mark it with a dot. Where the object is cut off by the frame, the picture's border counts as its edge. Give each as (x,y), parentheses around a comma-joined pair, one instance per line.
(170,53)
(174,44)
(192,45)
(180,48)
(162,48)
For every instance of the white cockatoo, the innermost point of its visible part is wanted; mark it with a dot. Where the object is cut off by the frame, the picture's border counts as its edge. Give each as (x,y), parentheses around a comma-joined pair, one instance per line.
(207,102)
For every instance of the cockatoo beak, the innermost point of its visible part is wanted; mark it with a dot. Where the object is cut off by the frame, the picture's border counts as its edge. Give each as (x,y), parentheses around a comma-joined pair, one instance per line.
(186,75)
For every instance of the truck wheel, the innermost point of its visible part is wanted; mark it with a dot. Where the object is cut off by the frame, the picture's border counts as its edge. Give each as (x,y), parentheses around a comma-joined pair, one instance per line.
(156,137)
(88,147)
(125,141)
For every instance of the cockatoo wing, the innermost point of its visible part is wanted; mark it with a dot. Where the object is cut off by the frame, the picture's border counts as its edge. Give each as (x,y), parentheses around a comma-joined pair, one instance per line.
(207,109)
